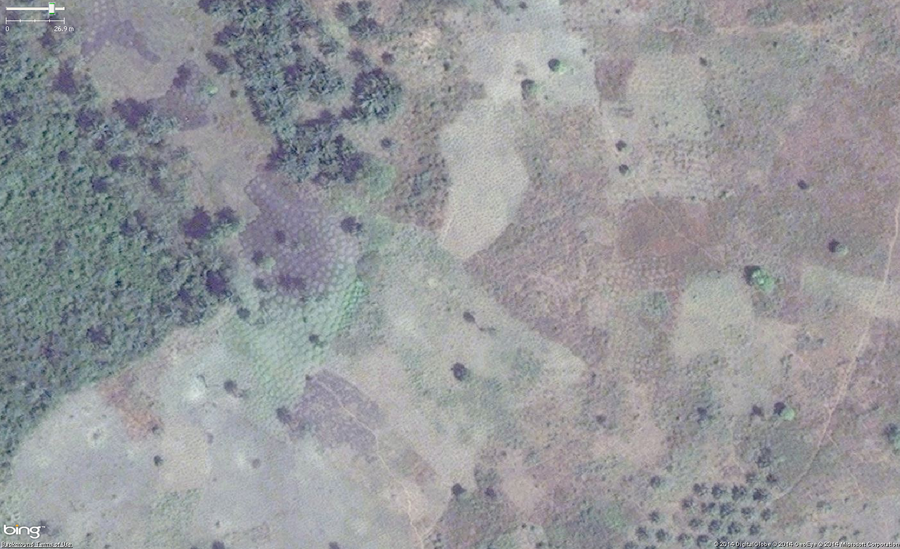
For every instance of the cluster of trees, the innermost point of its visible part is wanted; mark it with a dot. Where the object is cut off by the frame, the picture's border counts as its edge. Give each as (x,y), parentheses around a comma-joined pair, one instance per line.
(358,19)
(376,95)
(97,266)
(318,149)
(281,52)
(262,39)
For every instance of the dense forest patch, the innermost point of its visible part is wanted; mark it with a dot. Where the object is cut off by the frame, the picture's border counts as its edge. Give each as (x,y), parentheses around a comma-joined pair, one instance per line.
(288,63)
(102,255)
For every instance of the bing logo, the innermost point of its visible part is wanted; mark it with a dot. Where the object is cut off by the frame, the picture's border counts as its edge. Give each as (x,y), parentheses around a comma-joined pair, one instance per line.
(34,532)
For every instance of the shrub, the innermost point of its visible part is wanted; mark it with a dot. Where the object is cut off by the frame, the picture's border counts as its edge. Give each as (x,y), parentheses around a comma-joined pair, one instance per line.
(760,279)
(377,177)
(785,412)
(838,248)
(529,88)
(218,61)
(892,433)
(460,372)
(558,66)
(765,458)
(365,27)
(345,13)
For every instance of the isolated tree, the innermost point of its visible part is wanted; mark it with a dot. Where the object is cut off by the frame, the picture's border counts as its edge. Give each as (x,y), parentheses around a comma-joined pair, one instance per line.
(376,95)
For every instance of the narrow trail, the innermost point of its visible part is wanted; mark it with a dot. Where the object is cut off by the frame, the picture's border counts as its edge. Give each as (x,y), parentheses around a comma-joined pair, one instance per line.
(847,376)
(854,362)
(420,536)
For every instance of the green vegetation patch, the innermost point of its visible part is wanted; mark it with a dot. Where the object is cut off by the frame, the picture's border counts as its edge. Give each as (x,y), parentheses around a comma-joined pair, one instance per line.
(358,19)
(284,56)
(376,95)
(785,412)
(761,279)
(97,266)
(839,249)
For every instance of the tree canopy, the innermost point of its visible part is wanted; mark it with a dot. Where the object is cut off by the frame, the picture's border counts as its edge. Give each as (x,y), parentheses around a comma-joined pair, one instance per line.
(96,266)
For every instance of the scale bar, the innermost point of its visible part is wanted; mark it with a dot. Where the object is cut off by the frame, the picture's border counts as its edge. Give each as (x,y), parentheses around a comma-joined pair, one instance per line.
(35,20)
(35,9)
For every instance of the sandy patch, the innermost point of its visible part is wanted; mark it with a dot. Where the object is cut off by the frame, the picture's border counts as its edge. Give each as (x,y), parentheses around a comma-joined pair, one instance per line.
(716,314)
(488,178)
(865,293)
(81,473)
(119,73)
(184,444)
(520,485)
(718,329)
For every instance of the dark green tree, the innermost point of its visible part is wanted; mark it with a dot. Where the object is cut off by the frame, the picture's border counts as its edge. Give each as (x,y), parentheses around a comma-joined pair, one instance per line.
(376,95)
